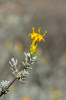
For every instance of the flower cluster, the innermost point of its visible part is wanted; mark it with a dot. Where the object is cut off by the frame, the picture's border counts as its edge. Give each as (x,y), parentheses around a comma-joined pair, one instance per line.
(36,37)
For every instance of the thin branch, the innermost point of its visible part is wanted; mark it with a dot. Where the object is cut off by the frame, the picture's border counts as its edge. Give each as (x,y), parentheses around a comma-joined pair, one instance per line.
(4,92)
(11,83)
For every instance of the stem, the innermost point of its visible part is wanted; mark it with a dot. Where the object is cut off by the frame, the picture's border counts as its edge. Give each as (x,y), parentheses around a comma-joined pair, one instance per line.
(11,83)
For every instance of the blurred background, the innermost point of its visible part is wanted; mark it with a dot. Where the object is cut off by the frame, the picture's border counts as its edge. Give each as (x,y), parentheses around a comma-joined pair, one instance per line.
(47,79)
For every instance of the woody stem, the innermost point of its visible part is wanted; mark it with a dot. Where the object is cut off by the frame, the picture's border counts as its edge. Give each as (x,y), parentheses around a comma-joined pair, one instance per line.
(11,83)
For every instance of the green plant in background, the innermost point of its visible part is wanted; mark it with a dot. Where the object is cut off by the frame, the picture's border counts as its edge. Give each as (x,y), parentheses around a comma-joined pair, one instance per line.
(30,59)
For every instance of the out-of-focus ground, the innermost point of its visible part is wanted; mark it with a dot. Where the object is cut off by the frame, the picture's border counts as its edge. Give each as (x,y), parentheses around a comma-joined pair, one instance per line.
(47,79)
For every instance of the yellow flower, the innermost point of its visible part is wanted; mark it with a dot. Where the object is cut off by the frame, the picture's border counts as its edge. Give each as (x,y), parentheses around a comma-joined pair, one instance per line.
(26,98)
(57,94)
(36,37)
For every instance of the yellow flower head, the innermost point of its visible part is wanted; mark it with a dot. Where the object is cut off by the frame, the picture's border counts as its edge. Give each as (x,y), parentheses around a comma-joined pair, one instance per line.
(36,37)
(26,98)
